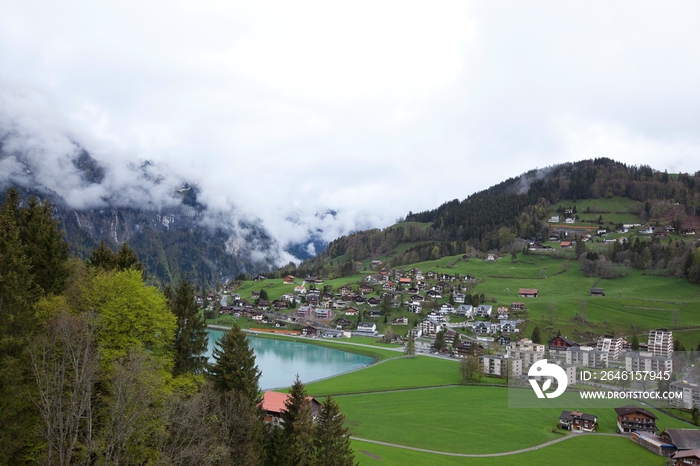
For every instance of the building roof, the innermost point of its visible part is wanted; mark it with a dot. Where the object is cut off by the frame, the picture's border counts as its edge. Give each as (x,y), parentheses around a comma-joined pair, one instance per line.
(632,409)
(684,439)
(528,291)
(687,454)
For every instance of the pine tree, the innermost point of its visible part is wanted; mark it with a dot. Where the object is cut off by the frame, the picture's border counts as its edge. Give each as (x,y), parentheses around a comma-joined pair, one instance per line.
(234,364)
(332,440)
(293,407)
(126,258)
(410,350)
(191,334)
(301,448)
(536,337)
(440,340)
(103,257)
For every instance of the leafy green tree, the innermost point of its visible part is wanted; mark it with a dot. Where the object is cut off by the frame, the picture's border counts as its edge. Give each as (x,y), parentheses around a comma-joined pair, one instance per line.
(332,439)
(131,314)
(234,364)
(191,334)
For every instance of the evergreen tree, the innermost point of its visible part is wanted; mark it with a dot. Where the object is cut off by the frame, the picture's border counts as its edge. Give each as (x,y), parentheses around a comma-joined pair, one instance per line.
(410,350)
(301,450)
(43,243)
(440,340)
(126,258)
(293,407)
(634,344)
(234,364)
(191,334)
(332,439)
(103,257)
(263,295)
(536,337)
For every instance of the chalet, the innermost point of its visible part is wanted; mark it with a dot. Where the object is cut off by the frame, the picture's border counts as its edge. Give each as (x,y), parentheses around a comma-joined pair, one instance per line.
(482,328)
(304,311)
(273,403)
(342,323)
(301,289)
(404,281)
(413,290)
(565,244)
(434,294)
(288,280)
(312,300)
(364,289)
(491,258)
(260,277)
(578,421)
(417,299)
(445,277)
(279,304)
(570,220)
(502,312)
(400,321)
(503,340)
(323,313)
(370,280)
(416,308)
(561,344)
(687,457)
(367,327)
(287,297)
(459,298)
(262,304)
(389,286)
(345,290)
(255,315)
(450,336)
(527,293)
(375,314)
(597,292)
(326,296)
(633,418)
(310,331)
(517,306)
(464,310)
(360,300)
(509,326)
(375,263)
(374,301)
(431,275)
(351,311)
(421,285)
(554,219)
(483,310)
(446,308)
(689,231)
(467,348)
(553,238)
(254,294)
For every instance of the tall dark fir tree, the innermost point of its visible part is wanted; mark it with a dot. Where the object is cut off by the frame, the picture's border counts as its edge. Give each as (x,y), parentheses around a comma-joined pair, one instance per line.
(191,335)
(234,364)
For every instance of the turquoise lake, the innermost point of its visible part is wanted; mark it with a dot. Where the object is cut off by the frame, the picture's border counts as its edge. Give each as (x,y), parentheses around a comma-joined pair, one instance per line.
(281,360)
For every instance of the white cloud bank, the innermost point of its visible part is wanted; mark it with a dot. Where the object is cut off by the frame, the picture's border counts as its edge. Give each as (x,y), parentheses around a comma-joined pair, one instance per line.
(286,109)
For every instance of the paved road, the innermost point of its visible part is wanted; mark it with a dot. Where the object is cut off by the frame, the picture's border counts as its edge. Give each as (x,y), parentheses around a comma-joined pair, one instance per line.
(483,455)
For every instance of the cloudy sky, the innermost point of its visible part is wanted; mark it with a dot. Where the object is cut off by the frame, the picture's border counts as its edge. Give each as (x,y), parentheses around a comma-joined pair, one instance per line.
(284,109)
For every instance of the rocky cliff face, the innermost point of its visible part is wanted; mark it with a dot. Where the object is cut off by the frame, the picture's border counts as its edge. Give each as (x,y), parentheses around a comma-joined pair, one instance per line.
(173,234)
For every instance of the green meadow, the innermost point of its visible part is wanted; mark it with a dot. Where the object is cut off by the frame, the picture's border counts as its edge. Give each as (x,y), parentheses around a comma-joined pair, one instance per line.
(466,419)
(582,450)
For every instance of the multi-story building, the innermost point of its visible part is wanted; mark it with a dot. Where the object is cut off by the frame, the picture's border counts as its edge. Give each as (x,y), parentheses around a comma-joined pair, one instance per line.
(646,361)
(586,356)
(614,346)
(525,350)
(498,364)
(661,342)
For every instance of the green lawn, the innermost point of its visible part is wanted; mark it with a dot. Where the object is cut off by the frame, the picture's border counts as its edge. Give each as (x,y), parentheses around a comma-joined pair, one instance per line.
(467,419)
(583,450)
(400,373)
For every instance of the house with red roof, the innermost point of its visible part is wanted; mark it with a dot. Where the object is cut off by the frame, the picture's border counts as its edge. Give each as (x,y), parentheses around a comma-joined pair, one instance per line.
(273,403)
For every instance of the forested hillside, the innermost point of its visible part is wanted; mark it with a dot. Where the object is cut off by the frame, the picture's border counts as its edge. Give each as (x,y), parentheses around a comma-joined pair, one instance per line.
(493,219)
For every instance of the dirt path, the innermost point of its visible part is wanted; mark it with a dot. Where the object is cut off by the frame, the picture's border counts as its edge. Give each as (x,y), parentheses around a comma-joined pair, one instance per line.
(483,455)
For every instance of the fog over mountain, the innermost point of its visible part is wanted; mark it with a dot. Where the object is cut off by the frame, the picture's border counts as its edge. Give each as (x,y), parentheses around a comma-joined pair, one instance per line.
(43,155)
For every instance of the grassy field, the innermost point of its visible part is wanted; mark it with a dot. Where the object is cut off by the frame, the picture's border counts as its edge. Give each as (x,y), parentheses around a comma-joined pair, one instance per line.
(579,451)
(395,374)
(613,210)
(444,419)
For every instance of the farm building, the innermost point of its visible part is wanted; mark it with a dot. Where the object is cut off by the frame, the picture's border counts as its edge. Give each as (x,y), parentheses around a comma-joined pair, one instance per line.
(527,293)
